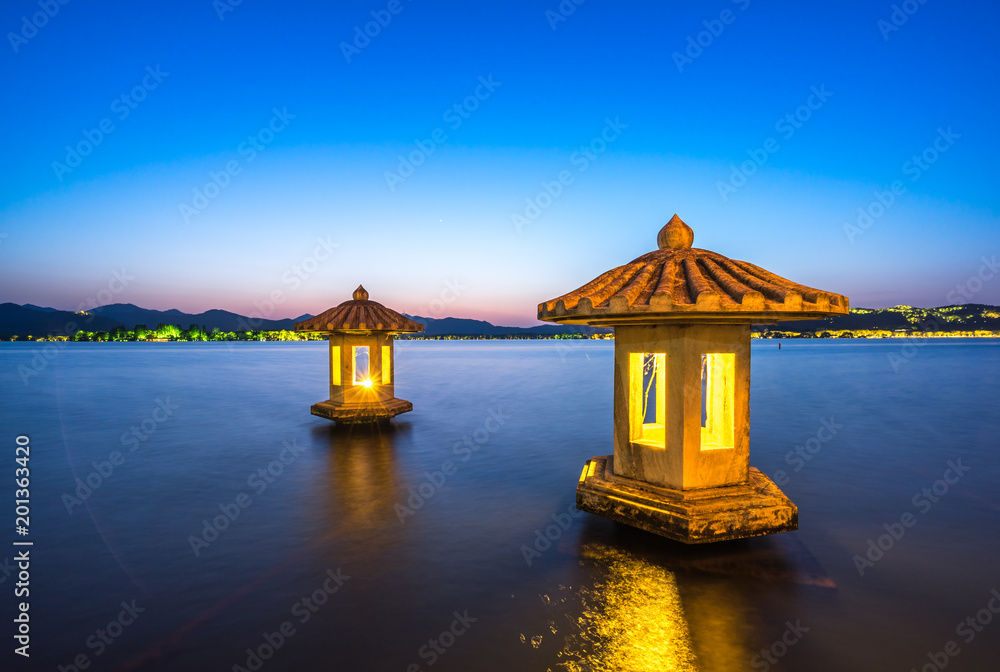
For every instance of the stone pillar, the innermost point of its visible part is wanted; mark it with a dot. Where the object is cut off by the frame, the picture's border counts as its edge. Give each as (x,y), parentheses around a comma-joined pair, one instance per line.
(678,452)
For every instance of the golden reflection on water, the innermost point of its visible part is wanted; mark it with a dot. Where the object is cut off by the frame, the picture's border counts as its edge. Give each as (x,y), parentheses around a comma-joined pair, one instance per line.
(632,621)
(718,617)
(363,477)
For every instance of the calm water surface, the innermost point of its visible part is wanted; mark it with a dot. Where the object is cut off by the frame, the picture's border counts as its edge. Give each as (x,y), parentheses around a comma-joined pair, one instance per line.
(513,423)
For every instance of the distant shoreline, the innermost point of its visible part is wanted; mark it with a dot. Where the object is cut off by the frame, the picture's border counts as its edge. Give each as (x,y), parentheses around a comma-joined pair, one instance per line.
(273,337)
(126,322)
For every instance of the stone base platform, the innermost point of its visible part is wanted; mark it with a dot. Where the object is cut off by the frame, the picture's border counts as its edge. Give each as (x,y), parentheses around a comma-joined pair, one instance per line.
(691,516)
(358,413)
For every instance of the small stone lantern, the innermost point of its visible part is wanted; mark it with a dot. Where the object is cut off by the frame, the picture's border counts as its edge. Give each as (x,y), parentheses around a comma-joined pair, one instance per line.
(361,359)
(682,319)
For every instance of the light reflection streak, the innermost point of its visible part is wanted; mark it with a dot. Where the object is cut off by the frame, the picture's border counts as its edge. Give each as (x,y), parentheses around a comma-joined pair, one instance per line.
(631,621)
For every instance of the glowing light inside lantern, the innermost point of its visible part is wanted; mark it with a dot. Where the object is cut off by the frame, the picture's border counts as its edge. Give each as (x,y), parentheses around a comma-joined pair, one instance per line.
(718,373)
(648,395)
(362,374)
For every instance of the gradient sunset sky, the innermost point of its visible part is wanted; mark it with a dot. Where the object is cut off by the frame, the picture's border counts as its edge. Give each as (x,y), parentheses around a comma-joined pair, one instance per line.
(765,126)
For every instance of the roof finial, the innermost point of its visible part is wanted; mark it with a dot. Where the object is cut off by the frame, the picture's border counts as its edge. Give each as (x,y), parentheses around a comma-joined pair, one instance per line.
(675,235)
(361,294)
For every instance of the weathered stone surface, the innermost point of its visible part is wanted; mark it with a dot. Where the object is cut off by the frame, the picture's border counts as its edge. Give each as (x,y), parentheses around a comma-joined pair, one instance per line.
(679,282)
(356,413)
(679,461)
(752,509)
(360,326)
(359,314)
(682,319)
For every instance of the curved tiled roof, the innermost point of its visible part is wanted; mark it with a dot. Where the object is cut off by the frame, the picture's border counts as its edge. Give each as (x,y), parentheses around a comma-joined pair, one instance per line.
(681,282)
(359,314)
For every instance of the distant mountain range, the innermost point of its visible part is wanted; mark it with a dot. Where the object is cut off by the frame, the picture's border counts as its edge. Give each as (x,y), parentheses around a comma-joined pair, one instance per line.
(29,320)
(37,321)
(129,315)
(455,326)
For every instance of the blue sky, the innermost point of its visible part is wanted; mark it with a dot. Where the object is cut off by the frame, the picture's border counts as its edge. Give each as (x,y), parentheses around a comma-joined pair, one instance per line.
(692,100)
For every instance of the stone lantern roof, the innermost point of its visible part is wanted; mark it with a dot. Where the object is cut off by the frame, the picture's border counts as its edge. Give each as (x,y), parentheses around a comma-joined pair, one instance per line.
(359,314)
(679,282)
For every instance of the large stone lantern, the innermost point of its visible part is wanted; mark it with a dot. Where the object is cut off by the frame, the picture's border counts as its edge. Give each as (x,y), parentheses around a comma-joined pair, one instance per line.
(682,319)
(362,379)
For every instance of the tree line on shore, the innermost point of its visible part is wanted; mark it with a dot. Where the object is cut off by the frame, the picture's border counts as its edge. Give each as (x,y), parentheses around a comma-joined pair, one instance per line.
(171,332)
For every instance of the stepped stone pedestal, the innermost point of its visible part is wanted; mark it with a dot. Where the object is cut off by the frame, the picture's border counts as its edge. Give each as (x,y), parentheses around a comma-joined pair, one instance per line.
(362,361)
(358,413)
(682,318)
(693,516)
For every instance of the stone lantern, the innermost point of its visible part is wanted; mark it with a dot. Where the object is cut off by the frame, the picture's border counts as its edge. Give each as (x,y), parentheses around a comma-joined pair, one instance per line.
(362,380)
(682,319)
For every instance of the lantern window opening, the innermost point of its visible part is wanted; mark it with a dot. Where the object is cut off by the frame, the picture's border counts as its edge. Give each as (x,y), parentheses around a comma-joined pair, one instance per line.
(361,365)
(647,398)
(718,390)
(335,365)
(386,364)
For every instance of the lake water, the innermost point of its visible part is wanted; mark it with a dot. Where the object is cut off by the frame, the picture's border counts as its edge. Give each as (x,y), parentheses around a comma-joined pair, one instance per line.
(444,584)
